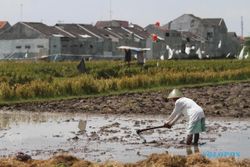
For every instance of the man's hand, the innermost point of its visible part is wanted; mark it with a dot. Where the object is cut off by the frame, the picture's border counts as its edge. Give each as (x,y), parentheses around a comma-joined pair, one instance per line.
(167,125)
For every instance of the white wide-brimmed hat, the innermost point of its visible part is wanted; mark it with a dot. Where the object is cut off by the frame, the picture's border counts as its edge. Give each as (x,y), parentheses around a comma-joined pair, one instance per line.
(176,93)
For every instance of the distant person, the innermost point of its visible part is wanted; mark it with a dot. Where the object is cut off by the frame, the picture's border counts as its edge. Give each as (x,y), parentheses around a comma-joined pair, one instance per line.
(128,55)
(81,66)
(191,111)
(140,58)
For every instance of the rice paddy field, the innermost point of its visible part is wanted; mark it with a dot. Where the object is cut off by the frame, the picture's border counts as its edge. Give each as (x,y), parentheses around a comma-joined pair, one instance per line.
(113,100)
(42,80)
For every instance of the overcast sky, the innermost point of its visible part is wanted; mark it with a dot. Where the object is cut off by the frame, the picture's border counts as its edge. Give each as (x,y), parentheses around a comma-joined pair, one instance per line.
(142,12)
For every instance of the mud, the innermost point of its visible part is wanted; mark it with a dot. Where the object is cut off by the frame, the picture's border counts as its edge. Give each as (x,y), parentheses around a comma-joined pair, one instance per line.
(100,129)
(102,137)
(224,100)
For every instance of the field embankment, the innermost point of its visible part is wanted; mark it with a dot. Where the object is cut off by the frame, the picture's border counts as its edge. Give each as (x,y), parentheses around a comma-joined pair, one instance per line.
(220,100)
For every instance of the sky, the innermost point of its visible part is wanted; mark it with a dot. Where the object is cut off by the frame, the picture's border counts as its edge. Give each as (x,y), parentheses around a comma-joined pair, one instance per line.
(141,12)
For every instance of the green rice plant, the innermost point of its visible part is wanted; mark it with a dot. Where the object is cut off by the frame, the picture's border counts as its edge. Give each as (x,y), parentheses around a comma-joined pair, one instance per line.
(26,80)
(83,85)
(106,85)
(41,88)
(59,89)
(6,92)
(24,92)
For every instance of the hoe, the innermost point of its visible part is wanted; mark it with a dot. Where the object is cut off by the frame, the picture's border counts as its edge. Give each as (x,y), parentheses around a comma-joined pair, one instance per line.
(139,131)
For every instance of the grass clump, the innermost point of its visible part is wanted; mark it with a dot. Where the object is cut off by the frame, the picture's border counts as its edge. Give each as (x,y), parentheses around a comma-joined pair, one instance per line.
(156,160)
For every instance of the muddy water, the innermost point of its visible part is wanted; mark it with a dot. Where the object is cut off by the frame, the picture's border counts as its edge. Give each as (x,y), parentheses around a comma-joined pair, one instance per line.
(113,137)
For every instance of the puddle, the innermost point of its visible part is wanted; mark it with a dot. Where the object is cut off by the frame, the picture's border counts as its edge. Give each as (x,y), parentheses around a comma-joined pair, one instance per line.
(112,137)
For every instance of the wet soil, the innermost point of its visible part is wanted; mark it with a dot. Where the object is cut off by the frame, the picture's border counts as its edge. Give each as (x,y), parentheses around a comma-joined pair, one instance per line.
(102,137)
(231,100)
(104,128)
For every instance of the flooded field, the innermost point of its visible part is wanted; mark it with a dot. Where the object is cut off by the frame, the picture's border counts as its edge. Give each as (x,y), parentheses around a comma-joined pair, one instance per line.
(101,137)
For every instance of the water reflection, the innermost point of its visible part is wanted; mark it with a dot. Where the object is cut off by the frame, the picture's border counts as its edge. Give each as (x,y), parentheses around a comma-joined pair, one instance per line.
(82,125)
(100,137)
(189,150)
(4,121)
(16,118)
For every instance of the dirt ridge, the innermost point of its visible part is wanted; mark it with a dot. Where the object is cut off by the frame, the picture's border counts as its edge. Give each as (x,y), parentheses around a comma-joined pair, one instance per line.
(228,100)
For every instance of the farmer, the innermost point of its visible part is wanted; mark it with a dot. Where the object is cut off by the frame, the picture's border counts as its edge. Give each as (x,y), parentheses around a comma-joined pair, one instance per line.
(128,56)
(140,58)
(192,112)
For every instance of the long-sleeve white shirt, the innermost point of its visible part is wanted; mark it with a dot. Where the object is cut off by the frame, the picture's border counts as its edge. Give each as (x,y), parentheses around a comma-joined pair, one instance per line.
(191,111)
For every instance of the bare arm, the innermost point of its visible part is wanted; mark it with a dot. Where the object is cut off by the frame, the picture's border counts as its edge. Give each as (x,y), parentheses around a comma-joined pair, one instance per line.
(171,117)
(174,116)
(175,119)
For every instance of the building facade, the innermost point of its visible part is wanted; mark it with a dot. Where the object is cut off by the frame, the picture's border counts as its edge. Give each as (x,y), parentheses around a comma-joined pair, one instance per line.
(211,34)
(185,37)
(31,40)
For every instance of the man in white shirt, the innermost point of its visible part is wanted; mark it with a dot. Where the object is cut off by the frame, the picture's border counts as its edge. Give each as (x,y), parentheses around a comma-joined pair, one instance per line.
(191,111)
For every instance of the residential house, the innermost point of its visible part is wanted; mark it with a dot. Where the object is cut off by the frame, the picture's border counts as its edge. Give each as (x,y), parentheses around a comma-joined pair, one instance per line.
(235,42)
(211,32)
(35,40)
(4,25)
(32,40)
(84,42)
(167,40)
(127,34)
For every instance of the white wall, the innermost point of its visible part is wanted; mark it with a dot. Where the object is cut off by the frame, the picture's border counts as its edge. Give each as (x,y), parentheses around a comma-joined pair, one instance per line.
(9,47)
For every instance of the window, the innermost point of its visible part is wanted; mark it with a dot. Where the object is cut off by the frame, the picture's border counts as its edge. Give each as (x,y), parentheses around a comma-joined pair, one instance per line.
(210,35)
(40,46)
(167,34)
(65,40)
(73,46)
(18,47)
(54,46)
(27,46)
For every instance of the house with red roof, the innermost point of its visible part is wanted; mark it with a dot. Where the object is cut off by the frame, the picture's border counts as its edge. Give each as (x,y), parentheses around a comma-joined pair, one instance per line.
(4,25)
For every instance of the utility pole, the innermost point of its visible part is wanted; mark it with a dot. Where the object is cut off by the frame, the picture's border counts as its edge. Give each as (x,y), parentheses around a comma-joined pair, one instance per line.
(21,12)
(110,10)
(110,13)
(242,27)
